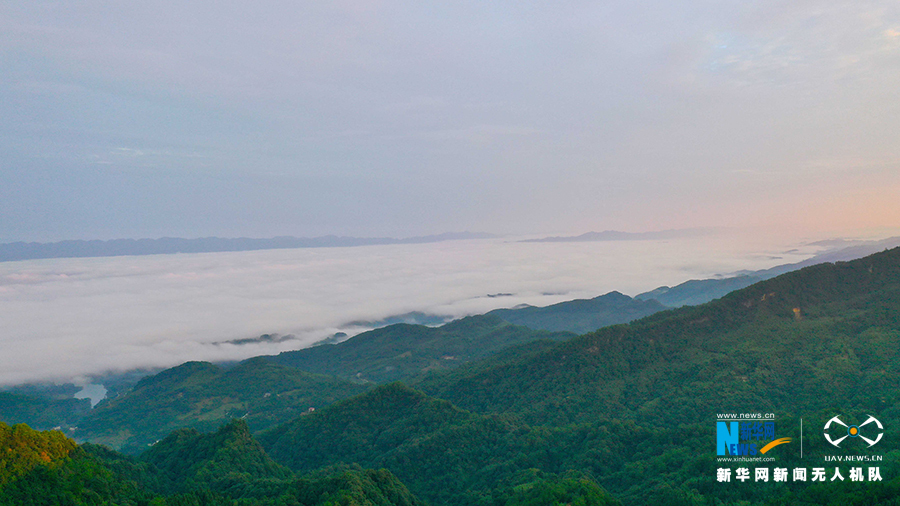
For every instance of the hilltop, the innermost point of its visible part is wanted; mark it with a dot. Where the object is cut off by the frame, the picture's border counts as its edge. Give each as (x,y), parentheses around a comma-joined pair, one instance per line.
(581,315)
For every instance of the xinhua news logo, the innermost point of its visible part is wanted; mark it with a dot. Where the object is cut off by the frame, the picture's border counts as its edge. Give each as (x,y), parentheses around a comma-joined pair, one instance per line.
(751,436)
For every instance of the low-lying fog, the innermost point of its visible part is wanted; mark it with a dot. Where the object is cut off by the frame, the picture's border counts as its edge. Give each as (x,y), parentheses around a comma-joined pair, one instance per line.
(66,319)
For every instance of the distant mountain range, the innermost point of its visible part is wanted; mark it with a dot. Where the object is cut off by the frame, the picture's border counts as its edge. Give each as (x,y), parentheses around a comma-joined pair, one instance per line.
(586,315)
(581,315)
(700,291)
(169,245)
(615,235)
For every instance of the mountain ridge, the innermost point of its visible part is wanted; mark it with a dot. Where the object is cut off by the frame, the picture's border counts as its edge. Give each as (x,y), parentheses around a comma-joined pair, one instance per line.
(402,351)
(581,315)
(15,251)
(699,291)
(793,304)
(617,235)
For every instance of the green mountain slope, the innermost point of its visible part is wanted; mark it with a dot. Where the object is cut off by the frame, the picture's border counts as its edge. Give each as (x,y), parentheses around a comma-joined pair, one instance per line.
(189,460)
(442,453)
(360,430)
(796,342)
(226,468)
(454,457)
(22,449)
(699,291)
(534,488)
(41,412)
(634,405)
(49,468)
(203,396)
(581,315)
(404,351)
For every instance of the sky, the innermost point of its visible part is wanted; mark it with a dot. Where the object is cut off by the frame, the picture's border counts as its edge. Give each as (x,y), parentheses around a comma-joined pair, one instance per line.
(393,118)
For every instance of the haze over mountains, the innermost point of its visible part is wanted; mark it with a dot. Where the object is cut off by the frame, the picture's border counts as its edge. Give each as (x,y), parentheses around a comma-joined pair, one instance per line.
(301,332)
(67,318)
(623,413)
(699,291)
(171,245)
(123,313)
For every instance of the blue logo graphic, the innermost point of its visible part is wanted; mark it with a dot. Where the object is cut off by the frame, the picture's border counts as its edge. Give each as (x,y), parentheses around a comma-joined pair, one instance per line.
(743,438)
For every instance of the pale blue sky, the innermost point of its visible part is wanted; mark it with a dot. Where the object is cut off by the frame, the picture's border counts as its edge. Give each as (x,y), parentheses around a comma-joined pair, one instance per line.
(370,118)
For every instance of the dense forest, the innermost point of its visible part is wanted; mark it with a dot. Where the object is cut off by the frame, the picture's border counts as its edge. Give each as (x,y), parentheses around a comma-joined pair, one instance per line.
(204,396)
(187,468)
(625,414)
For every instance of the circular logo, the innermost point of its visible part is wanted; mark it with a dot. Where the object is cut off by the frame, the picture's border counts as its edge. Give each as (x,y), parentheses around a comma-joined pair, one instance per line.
(854,431)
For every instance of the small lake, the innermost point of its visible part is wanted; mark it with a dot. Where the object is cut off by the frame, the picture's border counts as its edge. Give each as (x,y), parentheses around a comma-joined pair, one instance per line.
(92,391)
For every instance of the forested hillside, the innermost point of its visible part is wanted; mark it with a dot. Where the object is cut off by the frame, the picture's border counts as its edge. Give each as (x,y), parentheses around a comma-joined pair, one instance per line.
(634,406)
(203,396)
(42,411)
(403,351)
(445,454)
(827,332)
(226,467)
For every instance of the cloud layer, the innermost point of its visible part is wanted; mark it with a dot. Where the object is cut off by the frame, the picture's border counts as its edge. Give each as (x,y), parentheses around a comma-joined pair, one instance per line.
(68,318)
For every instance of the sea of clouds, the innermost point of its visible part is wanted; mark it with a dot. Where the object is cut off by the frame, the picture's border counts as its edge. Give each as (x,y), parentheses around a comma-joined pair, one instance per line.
(68,319)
